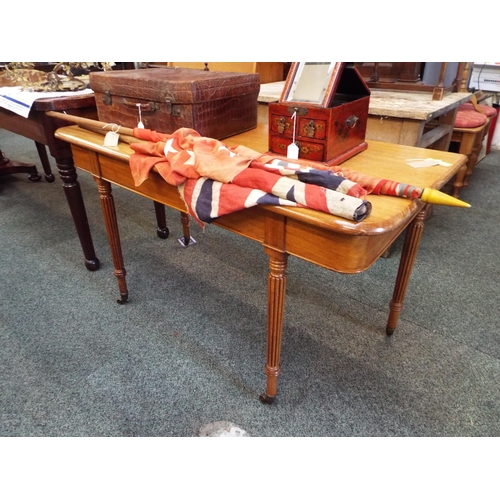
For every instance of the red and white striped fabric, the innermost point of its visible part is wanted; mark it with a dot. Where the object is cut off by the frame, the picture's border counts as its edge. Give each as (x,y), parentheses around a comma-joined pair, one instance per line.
(214,180)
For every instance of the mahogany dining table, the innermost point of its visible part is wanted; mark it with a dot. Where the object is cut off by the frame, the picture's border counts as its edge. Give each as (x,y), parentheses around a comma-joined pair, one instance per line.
(326,240)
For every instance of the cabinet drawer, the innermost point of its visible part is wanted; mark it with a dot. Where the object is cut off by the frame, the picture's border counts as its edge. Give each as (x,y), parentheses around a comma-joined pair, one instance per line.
(307,128)
(307,150)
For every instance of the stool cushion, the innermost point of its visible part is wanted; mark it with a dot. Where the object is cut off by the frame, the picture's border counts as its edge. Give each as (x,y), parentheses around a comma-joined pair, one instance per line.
(489,111)
(469,118)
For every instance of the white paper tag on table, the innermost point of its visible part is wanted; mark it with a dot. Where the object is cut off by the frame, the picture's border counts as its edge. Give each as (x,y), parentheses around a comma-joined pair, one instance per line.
(426,162)
(111,139)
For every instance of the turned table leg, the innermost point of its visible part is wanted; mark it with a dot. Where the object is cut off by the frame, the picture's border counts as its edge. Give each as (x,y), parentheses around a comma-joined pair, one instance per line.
(44,158)
(458,182)
(109,212)
(161,220)
(73,193)
(408,256)
(186,232)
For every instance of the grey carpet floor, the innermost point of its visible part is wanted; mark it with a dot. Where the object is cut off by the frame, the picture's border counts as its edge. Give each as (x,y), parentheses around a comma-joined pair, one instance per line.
(189,346)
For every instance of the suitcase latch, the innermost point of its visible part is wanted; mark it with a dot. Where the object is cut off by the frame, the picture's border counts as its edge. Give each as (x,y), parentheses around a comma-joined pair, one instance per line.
(172,109)
(106,97)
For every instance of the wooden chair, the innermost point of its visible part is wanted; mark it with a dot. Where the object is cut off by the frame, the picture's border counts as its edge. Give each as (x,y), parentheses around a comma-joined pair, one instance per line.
(471,126)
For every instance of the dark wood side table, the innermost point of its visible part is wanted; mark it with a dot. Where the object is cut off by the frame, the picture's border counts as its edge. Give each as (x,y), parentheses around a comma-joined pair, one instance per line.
(15,167)
(40,128)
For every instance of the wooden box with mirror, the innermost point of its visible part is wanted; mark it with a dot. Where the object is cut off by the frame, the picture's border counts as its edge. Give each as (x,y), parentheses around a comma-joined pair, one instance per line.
(323,109)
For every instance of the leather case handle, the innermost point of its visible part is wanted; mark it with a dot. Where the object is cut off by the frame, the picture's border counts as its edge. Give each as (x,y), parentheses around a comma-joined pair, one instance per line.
(145,106)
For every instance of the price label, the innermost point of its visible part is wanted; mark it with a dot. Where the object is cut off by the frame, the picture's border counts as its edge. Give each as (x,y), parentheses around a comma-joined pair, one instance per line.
(292,151)
(111,139)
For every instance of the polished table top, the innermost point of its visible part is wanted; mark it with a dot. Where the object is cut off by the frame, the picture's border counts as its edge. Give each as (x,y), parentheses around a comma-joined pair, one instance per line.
(38,126)
(381,159)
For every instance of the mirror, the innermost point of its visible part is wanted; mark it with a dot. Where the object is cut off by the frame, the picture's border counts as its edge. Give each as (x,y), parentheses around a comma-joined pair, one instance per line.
(311,82)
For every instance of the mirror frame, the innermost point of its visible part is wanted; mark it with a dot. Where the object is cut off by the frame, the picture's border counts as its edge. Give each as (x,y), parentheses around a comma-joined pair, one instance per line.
(296,69)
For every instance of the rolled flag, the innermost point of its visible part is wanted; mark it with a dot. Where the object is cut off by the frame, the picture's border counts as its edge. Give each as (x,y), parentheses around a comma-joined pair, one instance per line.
(156,152)
(429,195)
(374,185)
(213,180)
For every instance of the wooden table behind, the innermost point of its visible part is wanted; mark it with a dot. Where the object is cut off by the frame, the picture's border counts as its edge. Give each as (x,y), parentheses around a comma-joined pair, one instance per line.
(40,128)
(413,118)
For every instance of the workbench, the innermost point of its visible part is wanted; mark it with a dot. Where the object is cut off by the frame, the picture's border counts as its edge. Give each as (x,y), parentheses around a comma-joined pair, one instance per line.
(413,118)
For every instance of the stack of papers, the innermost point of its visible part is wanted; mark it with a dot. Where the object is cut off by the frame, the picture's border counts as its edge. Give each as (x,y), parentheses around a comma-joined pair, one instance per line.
(19,100)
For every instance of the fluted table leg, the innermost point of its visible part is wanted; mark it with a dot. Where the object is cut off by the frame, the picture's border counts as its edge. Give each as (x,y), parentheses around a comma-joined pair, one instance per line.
(275,313)
(274,245)
(408,256)
(109,212)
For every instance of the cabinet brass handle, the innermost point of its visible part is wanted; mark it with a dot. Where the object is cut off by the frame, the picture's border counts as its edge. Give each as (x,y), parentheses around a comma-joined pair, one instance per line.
(351,121)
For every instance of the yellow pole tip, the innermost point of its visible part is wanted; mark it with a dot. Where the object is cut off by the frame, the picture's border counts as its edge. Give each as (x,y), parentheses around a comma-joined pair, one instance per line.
(436,197)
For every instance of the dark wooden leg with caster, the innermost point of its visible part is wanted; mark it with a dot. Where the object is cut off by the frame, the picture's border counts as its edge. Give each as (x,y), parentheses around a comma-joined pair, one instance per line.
(14,167)
(408,256)
(44,158)
(186,233)
(109,212)
(74,197)
(161,221)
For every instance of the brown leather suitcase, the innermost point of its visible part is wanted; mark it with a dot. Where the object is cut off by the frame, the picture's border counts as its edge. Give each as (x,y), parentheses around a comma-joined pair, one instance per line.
(215,104)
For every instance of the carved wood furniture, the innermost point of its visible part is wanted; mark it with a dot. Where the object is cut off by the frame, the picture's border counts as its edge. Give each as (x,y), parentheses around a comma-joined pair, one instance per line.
(407,76)
(325,240)
(40,128)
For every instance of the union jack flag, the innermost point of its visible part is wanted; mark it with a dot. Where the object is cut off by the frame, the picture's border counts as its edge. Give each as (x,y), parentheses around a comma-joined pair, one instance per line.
(214,180)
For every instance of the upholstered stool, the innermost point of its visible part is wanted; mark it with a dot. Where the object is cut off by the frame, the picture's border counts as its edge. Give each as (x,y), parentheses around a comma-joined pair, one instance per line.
(491,113)
(470,127)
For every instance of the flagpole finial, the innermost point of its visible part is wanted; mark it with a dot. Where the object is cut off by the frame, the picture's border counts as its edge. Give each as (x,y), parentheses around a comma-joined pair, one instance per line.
(436,197)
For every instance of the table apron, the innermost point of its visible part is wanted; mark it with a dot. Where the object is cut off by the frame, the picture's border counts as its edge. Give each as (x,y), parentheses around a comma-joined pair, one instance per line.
(333,250)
